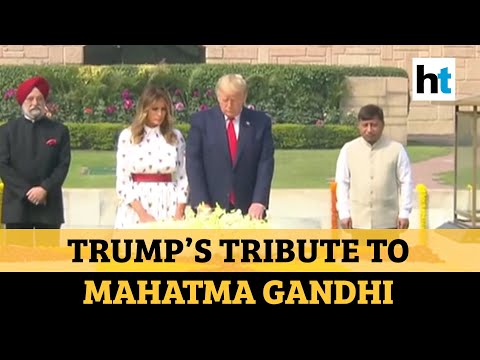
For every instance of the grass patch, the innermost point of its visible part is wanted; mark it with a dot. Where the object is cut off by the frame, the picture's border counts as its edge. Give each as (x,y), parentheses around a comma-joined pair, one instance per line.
(418,153)
(465,167)
(294,169)
(77,178)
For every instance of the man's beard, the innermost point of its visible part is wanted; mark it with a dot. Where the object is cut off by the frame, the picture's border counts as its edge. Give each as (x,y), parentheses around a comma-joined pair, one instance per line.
(35,113)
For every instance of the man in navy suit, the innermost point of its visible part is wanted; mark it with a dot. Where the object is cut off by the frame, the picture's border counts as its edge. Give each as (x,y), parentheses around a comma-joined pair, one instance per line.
(230,153)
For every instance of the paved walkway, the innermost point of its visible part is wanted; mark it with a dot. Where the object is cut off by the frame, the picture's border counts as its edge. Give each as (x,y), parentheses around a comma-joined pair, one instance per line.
(424,172)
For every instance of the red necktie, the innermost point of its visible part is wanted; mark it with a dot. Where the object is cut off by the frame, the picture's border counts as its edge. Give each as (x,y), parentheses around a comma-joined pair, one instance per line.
(232,144)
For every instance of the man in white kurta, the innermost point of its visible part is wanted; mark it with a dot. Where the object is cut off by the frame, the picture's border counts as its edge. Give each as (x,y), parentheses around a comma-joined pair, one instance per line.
(374,178)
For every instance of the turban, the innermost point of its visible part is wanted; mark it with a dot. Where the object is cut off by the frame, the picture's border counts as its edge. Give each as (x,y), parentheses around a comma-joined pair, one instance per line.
(28,85)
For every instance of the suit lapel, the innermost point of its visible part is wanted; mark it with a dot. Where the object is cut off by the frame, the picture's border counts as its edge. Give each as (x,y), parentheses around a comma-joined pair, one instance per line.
(244,134)
(219,128)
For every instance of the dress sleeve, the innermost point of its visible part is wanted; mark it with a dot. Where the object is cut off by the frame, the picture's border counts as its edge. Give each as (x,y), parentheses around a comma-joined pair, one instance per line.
(124,183)
(181,173)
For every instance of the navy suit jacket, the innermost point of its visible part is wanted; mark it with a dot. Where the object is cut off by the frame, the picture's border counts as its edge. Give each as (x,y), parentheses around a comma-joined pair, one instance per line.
(211,174)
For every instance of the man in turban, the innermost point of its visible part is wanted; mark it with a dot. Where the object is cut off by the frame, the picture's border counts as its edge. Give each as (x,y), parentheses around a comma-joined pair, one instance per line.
(34,162)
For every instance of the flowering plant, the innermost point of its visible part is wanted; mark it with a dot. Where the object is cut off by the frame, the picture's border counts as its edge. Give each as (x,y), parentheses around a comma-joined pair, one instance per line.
(333,204)
(422,205)
(119,109)
(337,116)
(188,102)
(9,108)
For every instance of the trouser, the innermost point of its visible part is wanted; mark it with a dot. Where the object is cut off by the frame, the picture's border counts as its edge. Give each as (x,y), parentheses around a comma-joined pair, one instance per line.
(32,226)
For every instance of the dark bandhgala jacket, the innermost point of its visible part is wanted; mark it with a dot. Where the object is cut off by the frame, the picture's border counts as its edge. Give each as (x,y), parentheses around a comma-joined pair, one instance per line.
(210,171)
(33,154)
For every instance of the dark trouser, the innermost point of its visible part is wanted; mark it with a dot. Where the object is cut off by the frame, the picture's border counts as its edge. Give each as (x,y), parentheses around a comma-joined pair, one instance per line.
(32,226)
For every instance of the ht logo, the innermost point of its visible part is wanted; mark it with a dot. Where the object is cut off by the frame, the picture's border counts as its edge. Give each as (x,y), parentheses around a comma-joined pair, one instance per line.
(433,79)
(443,76)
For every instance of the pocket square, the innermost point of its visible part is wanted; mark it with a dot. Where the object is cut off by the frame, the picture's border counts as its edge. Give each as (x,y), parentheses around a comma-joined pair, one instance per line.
(51,142)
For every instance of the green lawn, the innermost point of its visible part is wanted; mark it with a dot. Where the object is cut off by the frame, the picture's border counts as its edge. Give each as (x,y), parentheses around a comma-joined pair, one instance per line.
(465,178)
(299,169)
(419,153)
(465,169)
(96,161)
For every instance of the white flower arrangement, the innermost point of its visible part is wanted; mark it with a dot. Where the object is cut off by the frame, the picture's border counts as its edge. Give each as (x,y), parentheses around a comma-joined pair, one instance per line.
(206,218)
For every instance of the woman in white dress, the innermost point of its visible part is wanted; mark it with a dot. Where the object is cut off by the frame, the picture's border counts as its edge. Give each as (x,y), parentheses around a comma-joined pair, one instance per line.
(151,179)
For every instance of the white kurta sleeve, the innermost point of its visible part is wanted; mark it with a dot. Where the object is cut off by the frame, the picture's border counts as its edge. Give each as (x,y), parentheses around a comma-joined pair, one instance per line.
(404,176)
(181,173)
(342,178)
(124,183)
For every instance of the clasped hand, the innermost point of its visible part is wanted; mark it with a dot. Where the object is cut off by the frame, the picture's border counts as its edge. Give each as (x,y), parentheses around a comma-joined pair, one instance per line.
(37,195)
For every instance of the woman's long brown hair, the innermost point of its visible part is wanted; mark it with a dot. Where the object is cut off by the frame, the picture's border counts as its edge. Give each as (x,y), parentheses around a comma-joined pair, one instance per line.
(150,95)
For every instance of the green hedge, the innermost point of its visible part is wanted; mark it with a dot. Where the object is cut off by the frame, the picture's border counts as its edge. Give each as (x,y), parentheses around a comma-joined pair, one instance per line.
(286,136)
(289,93)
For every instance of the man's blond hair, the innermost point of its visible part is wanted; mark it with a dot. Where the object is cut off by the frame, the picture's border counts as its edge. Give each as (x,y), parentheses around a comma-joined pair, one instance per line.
(232,82)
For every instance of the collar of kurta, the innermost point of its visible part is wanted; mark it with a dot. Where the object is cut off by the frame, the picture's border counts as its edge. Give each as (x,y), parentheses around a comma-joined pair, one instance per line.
(26,118)
(375,145)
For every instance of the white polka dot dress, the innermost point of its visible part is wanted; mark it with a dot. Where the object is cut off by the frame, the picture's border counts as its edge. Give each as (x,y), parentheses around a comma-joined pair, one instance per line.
(151,156)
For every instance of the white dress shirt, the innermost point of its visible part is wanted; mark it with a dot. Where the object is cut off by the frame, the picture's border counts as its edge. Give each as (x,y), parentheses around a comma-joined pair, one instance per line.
(236,123)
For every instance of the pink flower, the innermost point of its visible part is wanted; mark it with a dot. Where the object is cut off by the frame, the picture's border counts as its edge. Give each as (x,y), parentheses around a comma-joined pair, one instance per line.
(111,109)
(53,108)
(179,106)
(203,107)
(128,104)
(251,107)
(126,94)
(10,93)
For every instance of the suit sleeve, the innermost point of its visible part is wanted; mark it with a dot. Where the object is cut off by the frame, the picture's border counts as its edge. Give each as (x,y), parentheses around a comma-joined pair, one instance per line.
(194,164)
(60,172)
(9,176)
(265,168)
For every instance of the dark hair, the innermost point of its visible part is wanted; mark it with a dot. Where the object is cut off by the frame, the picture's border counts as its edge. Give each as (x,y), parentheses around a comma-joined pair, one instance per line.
(369,112)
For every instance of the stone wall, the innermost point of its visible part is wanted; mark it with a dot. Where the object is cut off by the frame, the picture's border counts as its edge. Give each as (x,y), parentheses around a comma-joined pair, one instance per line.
(390,93)
(41,54)
(423,117)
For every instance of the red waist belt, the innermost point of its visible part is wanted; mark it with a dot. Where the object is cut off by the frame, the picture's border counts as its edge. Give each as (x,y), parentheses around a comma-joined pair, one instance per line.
(152,177)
